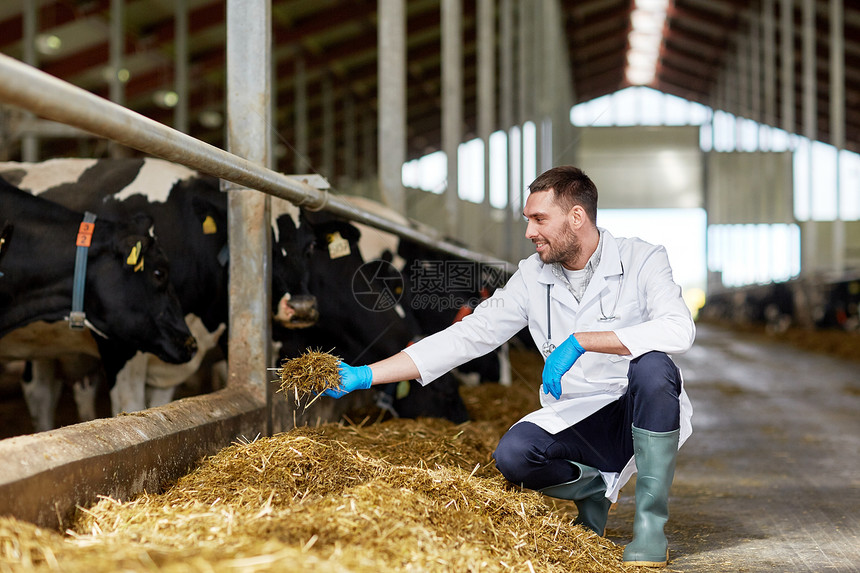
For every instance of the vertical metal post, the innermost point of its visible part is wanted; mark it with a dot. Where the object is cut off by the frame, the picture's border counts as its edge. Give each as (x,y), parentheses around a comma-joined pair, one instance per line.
(117,51)
(30,24)
(180,65)
(391,68)
(559,70)
(523,102)
(522,57)
(328,128)
(350,156)
(506,38)
(755,67)
(769,63)
(810,102)
(30,143)
(368,144)
(715,104)
(523,79)
(248,92)
(733,95)
(300,99)
(743,75)
(837,120)
(452,104)
(486,90)
(543,60)
(116,83)
(536,62)
(551,71)
(273,137)
(722,96)
(786,32)
(837,74)
(810,116)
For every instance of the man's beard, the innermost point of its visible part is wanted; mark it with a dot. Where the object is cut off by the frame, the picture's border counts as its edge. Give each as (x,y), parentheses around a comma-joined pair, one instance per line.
(566,248)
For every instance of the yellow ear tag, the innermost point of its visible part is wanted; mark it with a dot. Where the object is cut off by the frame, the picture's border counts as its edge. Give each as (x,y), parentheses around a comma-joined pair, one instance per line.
(139,266)
(134,255)
(337,246)
(209,226)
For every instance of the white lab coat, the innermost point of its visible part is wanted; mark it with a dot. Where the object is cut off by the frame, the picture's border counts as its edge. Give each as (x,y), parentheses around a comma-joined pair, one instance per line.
(649,315)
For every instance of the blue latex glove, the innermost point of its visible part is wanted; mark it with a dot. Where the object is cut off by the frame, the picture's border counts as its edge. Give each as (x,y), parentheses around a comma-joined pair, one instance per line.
(558,362)
(351,378)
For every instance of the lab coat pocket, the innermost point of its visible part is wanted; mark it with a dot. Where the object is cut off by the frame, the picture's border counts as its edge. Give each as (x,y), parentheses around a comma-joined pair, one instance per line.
(609,370)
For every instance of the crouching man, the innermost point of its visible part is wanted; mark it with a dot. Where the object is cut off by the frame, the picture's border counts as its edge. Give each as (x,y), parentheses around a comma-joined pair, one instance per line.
(607,314)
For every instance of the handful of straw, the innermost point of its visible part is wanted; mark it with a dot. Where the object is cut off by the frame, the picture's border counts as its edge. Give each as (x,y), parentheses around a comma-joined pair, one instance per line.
(310,373)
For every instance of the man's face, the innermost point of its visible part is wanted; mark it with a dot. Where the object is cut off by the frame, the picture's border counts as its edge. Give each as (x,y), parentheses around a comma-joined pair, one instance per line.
(550,230)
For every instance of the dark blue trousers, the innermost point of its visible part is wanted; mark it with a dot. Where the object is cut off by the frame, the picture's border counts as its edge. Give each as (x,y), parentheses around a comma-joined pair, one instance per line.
(529,456)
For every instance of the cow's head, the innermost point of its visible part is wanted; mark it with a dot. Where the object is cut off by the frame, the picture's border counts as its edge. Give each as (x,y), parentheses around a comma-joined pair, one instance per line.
(192,228)
(356,331)
(129,295)
(293,305)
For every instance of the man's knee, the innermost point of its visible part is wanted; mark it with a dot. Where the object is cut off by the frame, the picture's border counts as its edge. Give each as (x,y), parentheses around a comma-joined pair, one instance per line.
(520,454)
(511,458)
(656,361)
(654,372)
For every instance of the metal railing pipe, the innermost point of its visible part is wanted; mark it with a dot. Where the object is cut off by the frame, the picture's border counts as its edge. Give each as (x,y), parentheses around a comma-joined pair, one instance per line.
(49,97)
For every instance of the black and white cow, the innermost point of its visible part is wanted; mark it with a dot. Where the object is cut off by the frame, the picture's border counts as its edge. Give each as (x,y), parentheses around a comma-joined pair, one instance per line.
(363,332)
(128,297)
(442,289)
(190,219)
(800,302)
(361,319)
(439,288)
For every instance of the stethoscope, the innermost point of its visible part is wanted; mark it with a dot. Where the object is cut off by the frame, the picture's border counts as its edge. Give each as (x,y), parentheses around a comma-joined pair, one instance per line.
(548,346)
(612,316)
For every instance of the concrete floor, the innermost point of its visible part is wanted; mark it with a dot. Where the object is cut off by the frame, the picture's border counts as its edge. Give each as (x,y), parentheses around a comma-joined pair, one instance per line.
(770,479)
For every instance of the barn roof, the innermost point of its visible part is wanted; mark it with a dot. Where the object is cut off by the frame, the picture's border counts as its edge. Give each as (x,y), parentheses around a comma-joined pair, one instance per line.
(337,40)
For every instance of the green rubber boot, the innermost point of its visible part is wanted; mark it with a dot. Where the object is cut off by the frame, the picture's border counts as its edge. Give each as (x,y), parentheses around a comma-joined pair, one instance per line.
(588,492)
(655,454)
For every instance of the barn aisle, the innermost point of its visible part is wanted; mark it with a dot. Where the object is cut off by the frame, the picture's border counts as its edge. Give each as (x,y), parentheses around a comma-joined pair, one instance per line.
(770,479)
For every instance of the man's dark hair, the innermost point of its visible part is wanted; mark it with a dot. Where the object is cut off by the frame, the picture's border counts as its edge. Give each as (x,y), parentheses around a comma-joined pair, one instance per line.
(572,187)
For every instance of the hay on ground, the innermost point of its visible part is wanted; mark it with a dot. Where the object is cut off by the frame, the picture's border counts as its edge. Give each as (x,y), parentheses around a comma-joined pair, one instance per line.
(403,495)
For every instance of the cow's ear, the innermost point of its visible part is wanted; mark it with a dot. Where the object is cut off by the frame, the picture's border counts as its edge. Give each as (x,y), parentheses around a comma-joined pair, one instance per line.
(133,249)
(208,215)
(141,224)
(315,218)
(348,231)
(286,226)
(344,229)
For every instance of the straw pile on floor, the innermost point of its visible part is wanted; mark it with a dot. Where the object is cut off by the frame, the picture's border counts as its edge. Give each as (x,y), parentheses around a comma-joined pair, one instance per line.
(403,495)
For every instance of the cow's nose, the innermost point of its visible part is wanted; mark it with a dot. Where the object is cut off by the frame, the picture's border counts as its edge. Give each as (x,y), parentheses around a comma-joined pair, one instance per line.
(300,312)
(304,305)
